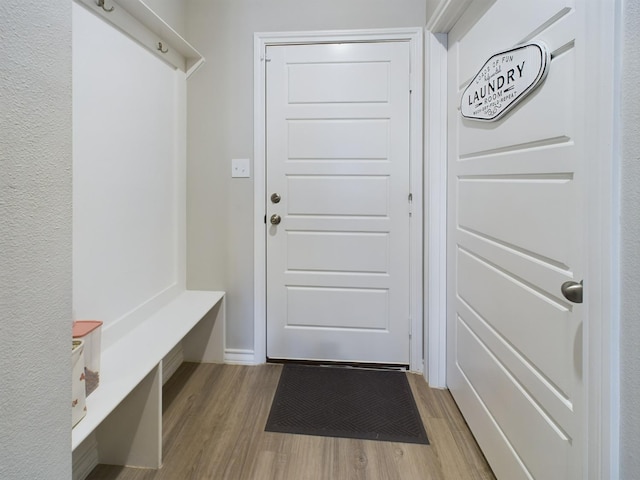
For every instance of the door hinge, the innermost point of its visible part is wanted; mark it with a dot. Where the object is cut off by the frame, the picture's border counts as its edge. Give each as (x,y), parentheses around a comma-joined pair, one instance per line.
(410,200)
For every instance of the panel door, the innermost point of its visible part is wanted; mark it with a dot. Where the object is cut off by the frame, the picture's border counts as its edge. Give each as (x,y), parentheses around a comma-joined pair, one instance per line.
(338,157)
(515,236)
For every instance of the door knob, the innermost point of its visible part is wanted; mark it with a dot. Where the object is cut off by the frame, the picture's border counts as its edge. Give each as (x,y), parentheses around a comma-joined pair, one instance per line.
(572,291)
(275,219)
(275,198)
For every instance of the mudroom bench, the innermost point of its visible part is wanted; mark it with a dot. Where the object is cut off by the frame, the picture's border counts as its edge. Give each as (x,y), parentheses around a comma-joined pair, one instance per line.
(123,425)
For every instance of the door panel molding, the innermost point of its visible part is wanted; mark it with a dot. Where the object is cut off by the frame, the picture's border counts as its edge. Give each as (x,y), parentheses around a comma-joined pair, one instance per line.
(415,38)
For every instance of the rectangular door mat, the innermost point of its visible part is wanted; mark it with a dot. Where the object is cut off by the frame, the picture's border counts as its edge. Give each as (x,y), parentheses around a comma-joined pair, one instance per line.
(346,402)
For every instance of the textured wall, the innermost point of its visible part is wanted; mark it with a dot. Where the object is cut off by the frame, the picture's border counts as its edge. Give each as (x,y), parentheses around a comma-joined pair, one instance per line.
(630,248)
(35,240)
(220,127)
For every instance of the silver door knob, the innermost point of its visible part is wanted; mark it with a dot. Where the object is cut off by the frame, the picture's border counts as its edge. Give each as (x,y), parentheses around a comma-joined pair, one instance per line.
(275,198)
(572,291)
(275,219)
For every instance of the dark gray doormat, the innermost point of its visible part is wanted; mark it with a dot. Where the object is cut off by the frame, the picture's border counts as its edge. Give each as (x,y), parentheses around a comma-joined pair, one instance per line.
(346,402)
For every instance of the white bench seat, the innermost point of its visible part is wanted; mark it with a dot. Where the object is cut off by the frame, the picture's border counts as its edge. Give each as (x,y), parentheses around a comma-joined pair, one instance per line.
(131,378)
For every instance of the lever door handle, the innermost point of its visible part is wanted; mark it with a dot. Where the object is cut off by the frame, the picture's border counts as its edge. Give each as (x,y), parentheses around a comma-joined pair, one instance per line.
(572,291)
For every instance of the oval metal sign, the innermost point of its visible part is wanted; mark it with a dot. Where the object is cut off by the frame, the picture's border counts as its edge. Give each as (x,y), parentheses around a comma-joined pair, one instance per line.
(505,79)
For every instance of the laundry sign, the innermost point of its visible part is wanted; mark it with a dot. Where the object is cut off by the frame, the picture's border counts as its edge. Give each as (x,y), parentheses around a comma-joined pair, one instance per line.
(504,80)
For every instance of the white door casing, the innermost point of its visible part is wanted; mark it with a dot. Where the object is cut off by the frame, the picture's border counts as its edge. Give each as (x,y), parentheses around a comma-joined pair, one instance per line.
(516,233)
(338,157)
(414,39)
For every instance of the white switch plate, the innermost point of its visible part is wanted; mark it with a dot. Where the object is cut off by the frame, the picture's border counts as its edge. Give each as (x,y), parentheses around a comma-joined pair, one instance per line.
(240,167)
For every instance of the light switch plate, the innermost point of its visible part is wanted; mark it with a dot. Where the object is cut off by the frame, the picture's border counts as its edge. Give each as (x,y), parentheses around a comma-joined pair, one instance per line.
(240,168)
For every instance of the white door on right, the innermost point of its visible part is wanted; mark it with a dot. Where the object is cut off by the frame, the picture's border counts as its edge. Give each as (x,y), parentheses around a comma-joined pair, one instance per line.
(515,236)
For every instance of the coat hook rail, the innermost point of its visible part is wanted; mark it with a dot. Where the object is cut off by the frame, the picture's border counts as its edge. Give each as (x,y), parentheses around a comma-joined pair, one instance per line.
(101,4)
(161,48)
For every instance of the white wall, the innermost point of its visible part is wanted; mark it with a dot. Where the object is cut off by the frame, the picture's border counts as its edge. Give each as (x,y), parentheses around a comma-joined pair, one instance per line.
(630,247)
(35,240)
(220,127)
(171,11)
(128,184)
(432,5)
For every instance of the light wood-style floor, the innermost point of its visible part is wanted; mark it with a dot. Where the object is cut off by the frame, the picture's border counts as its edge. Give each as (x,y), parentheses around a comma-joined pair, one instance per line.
(214,417)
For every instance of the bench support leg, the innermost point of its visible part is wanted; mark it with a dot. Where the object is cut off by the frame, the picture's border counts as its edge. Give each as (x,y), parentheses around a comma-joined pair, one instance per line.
(205,342)
(132,434)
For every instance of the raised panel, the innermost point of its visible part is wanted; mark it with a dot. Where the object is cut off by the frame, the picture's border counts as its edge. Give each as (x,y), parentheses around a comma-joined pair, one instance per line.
(540,444)
(343,52)
(338,139)
(510,211)
(338,195)
(556,405)
(518,263)
(338,82)
(338,167)
(339,280)
(541,332)
(338,251)
(557,157)
(337,308)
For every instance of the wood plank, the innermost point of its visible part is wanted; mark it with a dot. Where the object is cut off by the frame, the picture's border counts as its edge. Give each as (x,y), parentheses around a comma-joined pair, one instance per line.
(214,417)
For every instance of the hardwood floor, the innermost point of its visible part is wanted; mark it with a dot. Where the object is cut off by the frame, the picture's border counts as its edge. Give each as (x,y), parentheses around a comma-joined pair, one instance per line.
(214,417)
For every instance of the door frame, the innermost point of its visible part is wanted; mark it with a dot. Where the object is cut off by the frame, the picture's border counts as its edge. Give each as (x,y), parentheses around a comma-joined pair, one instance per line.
(602,277)
(261,42)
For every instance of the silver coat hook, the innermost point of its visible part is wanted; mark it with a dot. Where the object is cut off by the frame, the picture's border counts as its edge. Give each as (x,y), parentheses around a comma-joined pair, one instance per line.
(161,48)
(101,4)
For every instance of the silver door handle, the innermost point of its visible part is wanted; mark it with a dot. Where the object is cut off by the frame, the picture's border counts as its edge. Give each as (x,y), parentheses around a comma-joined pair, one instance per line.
(275,219)
(572,291)
(275,198)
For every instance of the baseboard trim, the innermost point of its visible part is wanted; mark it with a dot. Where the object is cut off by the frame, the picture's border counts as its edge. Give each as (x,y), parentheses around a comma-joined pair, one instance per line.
(236,356)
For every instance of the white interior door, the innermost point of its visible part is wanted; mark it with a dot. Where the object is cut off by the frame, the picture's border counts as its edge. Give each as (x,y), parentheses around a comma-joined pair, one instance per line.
(515,236)
(338,157)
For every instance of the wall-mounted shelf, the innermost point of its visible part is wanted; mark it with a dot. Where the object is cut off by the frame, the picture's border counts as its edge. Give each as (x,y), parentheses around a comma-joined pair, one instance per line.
(136,19)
